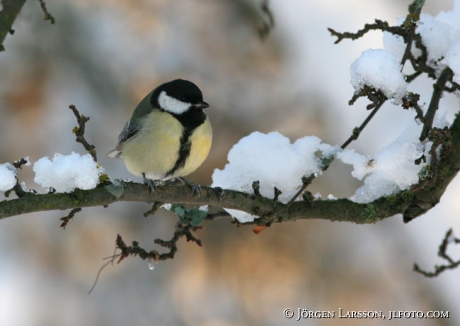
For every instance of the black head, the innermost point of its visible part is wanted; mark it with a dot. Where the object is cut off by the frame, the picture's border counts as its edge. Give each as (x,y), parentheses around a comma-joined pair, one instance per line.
(178,96)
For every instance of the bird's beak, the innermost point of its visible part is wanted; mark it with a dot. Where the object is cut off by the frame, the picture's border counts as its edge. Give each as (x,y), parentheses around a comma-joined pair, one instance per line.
(201,105)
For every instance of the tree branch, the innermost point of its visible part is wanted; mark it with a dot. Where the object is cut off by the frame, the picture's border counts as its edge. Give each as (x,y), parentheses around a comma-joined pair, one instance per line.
(448,239)
(445,76)
(420,199)
(357,131)
(47,16)
(409,203)
(80,132)
(11,9)
(267,25)
(135,192)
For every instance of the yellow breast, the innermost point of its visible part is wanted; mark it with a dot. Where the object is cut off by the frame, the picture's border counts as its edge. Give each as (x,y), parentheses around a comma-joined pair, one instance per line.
(154,150)
(201,140)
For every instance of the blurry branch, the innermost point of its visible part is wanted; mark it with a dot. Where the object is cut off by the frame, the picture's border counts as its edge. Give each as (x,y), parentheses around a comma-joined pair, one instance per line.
(153,255)
(135,250)
(448,239)
(11,9)
(66,219)
(217,215)
(8,15)
(47,14)
(259,15)
(267,24)
(111,261)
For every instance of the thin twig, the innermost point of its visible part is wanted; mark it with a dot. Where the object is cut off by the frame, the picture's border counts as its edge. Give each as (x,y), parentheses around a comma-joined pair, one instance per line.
(445,76)
(8,15)
(357,131)
(217,215)
(136,250)
(411,21)
(66,219)
(80,132)
(48,16)
(19,163)
(378,25)
(112,259)
(256,188)
(153,210)
(307,180)
(17,187)
(266,27)
(448,238)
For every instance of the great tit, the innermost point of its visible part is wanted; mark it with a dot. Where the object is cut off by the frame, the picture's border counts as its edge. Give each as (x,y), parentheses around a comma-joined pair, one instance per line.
(168,135)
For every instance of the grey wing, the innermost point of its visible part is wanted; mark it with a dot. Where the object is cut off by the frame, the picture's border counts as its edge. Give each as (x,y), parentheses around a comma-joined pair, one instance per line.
(133,126)
(129,130)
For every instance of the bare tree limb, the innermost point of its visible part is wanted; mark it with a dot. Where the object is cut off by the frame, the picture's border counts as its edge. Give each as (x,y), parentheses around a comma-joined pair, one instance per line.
(47,16)
(445,76)
(421,198)
(66,219)
(11,9)
(409,203)
(448,239)
(267,25)
(80,132)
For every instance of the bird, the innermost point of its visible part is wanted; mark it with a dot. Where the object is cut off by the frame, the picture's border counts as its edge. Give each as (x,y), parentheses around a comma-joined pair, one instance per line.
(168,136)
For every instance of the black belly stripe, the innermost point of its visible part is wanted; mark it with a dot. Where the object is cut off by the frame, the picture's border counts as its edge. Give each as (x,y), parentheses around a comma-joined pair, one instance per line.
(190,120)
(184,152)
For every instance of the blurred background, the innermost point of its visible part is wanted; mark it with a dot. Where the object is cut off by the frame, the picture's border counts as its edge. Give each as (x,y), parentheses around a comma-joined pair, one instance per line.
(104,57)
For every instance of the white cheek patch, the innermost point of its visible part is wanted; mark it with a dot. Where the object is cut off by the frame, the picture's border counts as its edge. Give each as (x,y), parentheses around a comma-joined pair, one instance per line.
(172,105)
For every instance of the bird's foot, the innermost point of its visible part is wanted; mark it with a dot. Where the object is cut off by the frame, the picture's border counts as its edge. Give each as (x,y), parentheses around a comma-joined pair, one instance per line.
(196,189)
(152,184)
